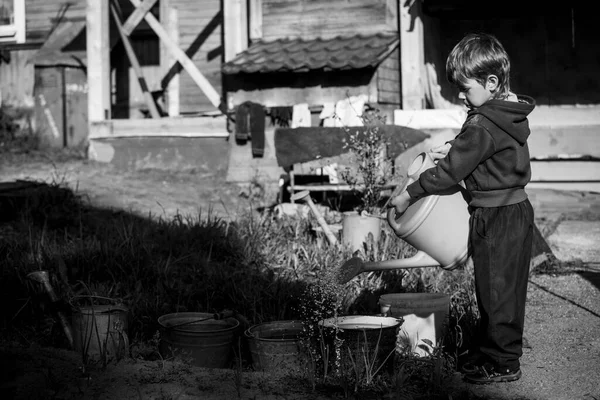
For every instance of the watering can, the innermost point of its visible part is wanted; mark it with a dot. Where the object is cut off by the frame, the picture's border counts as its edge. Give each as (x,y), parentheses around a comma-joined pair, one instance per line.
(437,226)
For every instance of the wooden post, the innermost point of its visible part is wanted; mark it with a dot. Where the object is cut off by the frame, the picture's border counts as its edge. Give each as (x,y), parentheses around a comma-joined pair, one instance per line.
(171,22)
(98,60)
(235,21)
(183,59)
(255,19)
(137,16)
(135,64)
(19,17)
(412,58)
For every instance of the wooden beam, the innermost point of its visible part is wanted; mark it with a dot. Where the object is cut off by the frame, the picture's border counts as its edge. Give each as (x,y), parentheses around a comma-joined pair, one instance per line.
(171,23)
(565,171)
(137,16)
(163,127)
(183,59)
(98,60)
(19,18)
(255,20)
(412,56)
(135,64)
(235,21)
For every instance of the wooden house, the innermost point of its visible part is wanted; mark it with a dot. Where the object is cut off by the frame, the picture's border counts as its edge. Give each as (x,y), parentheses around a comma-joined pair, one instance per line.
(195,62)
(297,52)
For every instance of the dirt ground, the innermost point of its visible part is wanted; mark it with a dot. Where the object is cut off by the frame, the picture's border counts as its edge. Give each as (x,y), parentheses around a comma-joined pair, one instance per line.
(561,358)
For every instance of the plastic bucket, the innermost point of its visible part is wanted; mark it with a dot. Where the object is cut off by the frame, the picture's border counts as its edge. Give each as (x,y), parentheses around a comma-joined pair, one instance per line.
(358,229)
(207,343)
(275,346)
(436,225)
(371,338)
(425,317)
(100,331)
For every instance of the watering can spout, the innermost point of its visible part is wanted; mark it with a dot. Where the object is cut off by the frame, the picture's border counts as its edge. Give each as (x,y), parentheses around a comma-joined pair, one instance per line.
(419,260)
(357,265)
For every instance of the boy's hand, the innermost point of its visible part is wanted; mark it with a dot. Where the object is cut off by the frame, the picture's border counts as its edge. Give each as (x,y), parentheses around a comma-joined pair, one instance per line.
(401,202)
(440,152)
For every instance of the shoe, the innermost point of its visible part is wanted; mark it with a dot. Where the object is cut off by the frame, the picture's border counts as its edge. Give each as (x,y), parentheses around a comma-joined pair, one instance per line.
(489,373)
(472,362)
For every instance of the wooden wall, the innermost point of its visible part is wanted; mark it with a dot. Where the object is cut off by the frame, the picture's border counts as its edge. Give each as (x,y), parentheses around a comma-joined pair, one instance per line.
(200,36)
(388,80)
(17,79)
(41,15)
(326,18)
(17,76)
(315,88)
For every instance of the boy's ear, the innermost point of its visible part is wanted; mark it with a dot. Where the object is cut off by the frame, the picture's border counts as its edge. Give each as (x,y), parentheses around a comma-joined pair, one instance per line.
(491,83)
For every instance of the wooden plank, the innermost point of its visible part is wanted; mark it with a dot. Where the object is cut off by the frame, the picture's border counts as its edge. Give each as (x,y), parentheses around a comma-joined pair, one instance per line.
(311,95)
(172,27)
(163,127)
(183,59)
(566,186)
(412,58)
(235,23)
(137,16)
(391,14)
(388,74)
(322,18)
(135,64)
(19,21)
(565,171)
(555,140)
(98,60)
(255,19)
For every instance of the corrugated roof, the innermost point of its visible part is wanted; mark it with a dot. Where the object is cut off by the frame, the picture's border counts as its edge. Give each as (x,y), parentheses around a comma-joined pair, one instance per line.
(301,55)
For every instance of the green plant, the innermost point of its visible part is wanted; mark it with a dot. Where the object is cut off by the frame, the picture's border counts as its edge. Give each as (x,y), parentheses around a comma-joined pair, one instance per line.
(426,375)
(372,169)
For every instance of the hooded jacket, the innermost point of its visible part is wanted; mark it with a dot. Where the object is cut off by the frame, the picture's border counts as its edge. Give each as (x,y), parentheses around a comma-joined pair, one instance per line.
(490,154)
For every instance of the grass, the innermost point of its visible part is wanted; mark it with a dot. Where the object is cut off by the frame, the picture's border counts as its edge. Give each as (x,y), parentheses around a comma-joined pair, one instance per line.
(265,268)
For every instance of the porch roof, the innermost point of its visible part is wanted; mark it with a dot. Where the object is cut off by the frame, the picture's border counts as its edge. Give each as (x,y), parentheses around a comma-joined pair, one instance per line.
(302,55)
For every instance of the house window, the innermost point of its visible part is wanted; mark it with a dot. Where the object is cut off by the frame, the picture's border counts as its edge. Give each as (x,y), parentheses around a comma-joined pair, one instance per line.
(12,21)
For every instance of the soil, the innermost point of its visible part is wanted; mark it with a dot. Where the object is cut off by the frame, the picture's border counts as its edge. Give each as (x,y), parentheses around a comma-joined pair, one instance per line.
(561,357)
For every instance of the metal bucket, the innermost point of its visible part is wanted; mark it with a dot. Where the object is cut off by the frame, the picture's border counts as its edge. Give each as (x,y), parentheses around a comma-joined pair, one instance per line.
(208,343)
(275,346)
(359,229)
(100,331)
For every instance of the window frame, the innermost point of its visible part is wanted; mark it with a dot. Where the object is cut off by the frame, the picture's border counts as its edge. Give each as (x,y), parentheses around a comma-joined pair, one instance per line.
(15,32)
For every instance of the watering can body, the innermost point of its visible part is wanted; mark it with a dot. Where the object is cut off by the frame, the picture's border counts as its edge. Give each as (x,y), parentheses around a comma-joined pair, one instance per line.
(437,226)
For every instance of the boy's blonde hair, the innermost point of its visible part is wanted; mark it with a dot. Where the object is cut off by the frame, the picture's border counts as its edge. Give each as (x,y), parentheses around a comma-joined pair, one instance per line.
(477,56)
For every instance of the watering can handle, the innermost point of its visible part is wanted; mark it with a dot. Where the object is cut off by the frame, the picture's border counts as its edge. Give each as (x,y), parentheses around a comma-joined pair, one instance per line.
(422,162)
(391,214)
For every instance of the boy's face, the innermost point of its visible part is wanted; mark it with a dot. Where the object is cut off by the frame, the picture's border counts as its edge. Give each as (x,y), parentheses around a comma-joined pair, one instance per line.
(474,94)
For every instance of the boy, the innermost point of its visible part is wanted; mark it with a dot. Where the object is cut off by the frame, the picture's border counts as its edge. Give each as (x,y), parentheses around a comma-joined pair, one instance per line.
(492,157)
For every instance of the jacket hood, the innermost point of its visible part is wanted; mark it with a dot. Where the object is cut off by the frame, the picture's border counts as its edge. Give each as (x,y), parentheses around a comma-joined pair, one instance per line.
(510,116)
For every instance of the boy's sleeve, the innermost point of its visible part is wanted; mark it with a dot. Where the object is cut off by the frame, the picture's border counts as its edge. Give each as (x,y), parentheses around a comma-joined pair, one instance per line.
(472,146)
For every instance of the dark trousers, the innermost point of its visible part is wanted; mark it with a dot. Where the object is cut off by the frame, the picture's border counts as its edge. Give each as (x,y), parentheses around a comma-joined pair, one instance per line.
(501,240)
